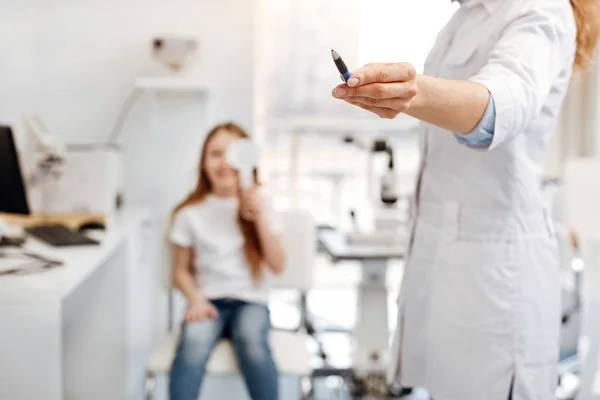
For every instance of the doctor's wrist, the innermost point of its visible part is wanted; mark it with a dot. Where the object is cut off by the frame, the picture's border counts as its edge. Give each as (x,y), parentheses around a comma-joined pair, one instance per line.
(419,102)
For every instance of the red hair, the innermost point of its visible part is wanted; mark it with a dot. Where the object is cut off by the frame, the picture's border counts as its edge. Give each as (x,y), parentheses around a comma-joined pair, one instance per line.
(252,247)
(587,16)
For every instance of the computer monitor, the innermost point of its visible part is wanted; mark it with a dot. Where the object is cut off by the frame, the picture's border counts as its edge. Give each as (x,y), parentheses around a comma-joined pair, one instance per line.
(13,198)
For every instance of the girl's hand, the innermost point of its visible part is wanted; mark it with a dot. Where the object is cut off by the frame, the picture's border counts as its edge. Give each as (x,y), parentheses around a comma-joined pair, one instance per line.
(251,204)
(199,311)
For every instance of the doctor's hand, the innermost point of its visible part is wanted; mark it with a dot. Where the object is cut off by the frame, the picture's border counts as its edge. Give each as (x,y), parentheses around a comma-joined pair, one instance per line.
(384,89)
(199,311)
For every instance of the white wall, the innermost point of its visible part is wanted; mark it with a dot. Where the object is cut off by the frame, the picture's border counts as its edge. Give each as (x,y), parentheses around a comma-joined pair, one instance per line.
(74,61)
(578,129)
(421,20)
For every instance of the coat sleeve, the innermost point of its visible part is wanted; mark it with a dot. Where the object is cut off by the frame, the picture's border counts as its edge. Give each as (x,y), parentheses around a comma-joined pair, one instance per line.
(524,64)
(481,137)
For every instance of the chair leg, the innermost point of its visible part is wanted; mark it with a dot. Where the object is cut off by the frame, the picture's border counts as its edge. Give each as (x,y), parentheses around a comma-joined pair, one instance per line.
(309,328)
(150,386)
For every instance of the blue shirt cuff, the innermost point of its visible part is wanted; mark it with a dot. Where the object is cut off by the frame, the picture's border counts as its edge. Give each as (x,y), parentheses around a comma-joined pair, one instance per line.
(483,134)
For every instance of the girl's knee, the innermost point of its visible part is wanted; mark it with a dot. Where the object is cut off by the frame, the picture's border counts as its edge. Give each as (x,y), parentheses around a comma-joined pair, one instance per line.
(197,341)
(252,324)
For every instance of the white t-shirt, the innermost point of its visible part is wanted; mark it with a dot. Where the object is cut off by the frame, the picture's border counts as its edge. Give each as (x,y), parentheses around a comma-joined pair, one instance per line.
(221,268)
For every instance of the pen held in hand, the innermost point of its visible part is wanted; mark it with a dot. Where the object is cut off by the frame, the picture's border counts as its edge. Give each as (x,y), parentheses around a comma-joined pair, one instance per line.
(341,66)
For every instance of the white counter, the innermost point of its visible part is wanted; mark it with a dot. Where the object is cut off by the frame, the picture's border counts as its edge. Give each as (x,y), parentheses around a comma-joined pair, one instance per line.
(82,330)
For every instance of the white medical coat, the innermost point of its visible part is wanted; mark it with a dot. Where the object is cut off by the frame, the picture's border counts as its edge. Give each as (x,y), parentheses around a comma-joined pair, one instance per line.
(479,303)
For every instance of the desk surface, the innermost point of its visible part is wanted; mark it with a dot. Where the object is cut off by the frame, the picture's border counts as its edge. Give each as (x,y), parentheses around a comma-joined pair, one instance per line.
(78,264)
(339,249)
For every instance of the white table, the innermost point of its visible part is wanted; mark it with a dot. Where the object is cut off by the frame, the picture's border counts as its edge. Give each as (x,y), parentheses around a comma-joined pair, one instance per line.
(372,328)
(80,331)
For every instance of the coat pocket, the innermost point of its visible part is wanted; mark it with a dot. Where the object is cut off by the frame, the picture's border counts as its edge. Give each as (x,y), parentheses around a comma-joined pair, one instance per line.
(476,283)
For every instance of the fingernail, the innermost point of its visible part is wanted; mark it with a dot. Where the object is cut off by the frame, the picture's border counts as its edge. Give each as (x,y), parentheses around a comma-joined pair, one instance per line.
(339,92)
(352,82)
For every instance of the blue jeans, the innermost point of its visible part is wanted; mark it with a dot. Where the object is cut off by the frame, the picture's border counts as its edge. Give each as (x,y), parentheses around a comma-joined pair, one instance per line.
(247,325)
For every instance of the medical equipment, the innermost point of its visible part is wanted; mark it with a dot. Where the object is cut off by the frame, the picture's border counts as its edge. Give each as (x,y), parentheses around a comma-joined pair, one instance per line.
(388,191)
(389,181)
(243,155)
(370,356)
(388,217)
(174,52)
(388,220)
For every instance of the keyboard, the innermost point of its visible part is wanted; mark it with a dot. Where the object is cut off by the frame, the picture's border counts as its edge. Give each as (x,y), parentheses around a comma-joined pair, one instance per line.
(59,236)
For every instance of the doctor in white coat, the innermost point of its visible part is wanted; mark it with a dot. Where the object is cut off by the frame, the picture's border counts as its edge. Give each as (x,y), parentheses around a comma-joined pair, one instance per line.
(479,303)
